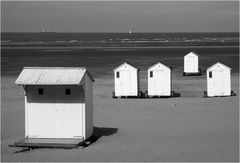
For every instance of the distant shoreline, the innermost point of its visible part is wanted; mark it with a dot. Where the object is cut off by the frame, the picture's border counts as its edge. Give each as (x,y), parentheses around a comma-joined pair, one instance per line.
(126,47)
(120,32)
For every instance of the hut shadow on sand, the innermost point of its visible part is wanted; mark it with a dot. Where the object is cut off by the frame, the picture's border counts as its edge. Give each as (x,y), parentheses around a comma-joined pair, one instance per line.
(99,132)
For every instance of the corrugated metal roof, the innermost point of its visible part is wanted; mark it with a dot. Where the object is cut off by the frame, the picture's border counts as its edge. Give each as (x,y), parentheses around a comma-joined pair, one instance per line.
(52,76)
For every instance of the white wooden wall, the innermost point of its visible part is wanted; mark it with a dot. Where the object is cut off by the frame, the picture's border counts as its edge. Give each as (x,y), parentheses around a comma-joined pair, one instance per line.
(54,114)
(89,107)
(128,83)
(191,63)
(160,83)
(220,83)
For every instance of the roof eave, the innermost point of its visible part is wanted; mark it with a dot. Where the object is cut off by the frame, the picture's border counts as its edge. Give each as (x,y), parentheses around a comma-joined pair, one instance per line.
(192,52)
(90,76)
(51,84)
(218,63)
(125,63)
(157,64)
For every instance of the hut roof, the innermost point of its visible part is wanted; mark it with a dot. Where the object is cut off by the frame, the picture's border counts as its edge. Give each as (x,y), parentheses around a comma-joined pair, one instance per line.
(127,64)
(160,64)
(192,52)
(52,76)
(218,63)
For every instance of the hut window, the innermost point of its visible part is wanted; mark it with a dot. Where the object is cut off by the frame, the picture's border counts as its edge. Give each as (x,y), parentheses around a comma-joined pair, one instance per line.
(151,74)
(67,91)
(40,91)
(210,74)
(118,74)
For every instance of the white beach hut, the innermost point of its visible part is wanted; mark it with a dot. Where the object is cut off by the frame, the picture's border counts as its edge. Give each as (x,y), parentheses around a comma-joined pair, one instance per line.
(126,79)
(218,80)
(58,103)
(159,80)
(191,64)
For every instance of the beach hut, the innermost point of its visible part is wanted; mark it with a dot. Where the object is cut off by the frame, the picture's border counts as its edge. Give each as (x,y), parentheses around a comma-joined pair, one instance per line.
(126,80)
(159,80)
(218,80)
(58,105)
(191,64)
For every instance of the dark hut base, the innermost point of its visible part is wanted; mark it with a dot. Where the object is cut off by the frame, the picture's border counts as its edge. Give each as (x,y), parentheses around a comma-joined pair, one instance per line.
(206,96)
(140,95)
(192,74)
(32,143)
(143,95)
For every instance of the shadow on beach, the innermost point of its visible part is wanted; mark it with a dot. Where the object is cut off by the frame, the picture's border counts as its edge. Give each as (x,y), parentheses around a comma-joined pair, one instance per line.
(98,132)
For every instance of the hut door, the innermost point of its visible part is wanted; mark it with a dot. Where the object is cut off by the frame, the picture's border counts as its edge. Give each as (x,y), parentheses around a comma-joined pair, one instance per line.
(218,82)
(39,112)
(191,64)
(157,82)
(125,82)
(69,111)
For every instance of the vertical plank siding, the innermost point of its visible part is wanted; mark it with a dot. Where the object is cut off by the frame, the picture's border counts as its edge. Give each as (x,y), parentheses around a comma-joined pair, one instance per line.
(88,108)
(127,84)
(54,114)
(210,85)
(160,83)
(191,63)
(220,82)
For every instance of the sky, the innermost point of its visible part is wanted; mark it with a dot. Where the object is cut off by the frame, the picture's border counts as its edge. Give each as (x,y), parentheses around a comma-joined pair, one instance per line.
(121,16)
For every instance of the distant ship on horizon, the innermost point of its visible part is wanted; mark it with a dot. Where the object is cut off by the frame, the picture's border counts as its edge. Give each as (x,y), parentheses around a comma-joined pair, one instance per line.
(129,31)
(46,31)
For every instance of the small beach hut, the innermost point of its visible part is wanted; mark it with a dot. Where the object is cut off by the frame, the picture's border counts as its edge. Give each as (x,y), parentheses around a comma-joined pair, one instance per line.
(58,104)
(191,64)
(218,80)
(159,80)
(126,80)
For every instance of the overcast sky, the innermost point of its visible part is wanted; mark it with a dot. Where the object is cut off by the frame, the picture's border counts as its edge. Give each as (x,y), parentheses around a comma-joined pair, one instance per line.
(162,16)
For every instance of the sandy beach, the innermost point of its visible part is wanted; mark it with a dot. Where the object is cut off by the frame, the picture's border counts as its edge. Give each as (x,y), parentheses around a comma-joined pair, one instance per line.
(188,128)
(99,36)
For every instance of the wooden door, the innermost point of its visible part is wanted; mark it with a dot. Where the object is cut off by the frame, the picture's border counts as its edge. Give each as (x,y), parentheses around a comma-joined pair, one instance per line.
(191,64)
(125,83)
(157,82)
(69,111)
(39,113)
(218,82)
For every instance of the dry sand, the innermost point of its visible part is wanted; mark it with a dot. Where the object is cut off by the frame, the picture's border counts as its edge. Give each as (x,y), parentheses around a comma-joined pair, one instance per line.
(189,128)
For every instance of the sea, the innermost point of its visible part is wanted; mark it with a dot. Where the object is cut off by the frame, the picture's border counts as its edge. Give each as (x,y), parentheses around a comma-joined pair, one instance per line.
(102,52)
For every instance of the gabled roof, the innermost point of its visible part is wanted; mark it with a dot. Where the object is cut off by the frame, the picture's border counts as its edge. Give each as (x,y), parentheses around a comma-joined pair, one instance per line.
(157,64)
(126,64)
(192,52)
(218,63)
(52,76)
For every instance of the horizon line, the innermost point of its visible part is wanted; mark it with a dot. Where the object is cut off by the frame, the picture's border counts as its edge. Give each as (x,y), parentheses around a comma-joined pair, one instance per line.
(118,32)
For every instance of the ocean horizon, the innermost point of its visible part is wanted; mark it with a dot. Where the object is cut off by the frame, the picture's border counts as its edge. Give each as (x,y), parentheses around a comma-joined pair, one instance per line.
(92,49)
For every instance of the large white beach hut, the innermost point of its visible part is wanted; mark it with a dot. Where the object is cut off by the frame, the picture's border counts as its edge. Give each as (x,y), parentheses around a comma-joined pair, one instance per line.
(126,80)
(191,64)
(159,80)
(58,103)
(218,80)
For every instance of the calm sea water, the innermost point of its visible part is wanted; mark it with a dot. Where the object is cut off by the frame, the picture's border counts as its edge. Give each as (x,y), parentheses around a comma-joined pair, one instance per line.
(91,37)
(101,61)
